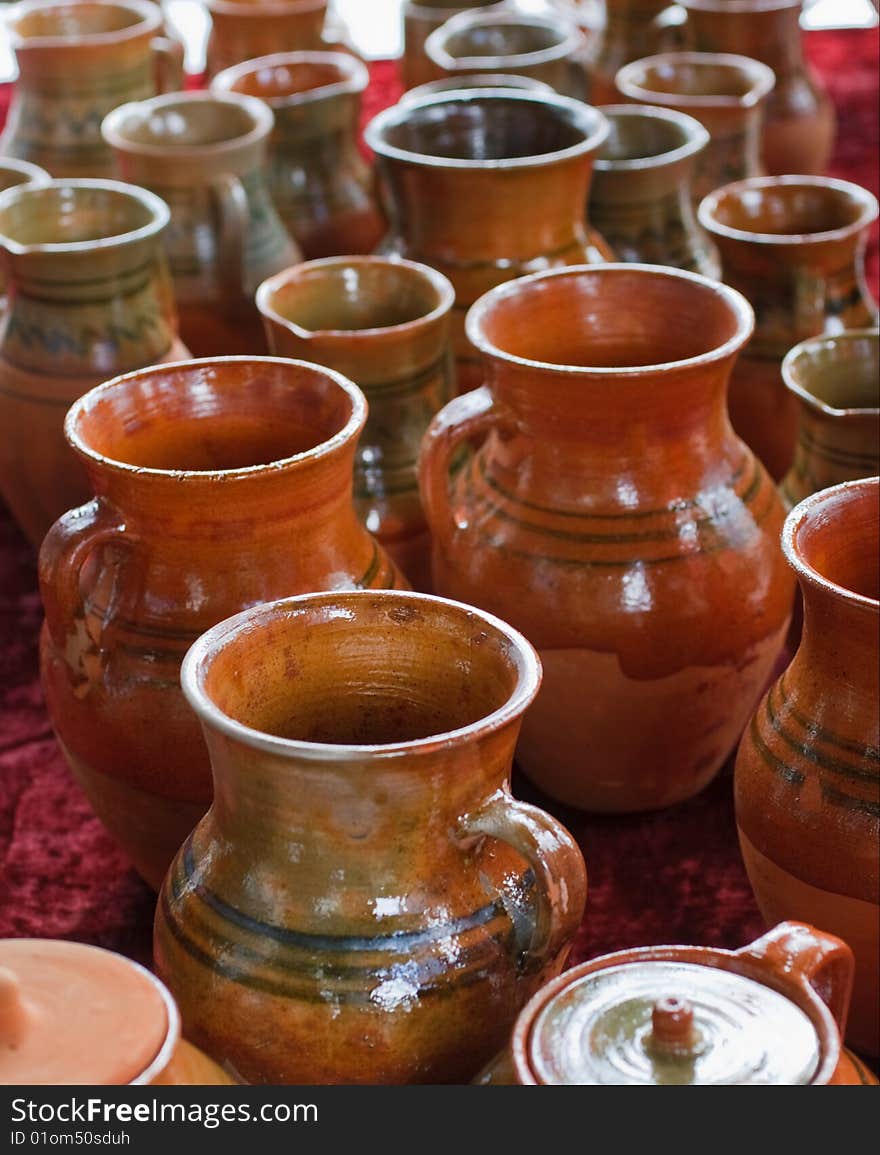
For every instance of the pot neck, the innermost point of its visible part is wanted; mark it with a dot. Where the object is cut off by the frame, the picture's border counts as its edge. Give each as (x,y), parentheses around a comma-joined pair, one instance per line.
(770,34)
(839,646)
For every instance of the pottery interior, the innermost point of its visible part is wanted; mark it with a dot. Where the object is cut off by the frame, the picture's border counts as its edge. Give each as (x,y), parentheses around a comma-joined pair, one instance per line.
(837,375)
(77,213)
(836,539)
(696,79)
(188,121)
(802,209)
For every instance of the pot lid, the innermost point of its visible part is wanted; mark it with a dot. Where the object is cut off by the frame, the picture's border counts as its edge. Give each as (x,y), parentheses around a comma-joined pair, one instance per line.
(660,1023)
(76,1014)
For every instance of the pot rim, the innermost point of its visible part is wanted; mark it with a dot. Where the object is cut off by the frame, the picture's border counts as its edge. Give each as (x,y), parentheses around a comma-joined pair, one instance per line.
(813,344)
(437,53)
(158,207)
(741,308)
(763,80)
(698,137)
(172,1038)
(587,118)
(33,175)
(464,81)
(353,78)
(150,22)
(83,406)
(432,11)
(197,662)
(261,113)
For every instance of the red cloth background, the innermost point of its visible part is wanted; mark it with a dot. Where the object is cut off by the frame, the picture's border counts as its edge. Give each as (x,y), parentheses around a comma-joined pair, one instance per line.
(671,877)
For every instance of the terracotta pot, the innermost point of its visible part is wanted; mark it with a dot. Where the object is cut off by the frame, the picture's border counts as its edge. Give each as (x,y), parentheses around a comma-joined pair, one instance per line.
(385,324)
(12,174)
(770,1014)
(355,908)
(420,20)
(205,154)
(608,486)
(807,778)
(486,186)
(799,122)
(473,80)
(76,61)
(72,1015)
(836,383)
(219,485)
(89,296)
(726,94)
(795,247)
(512,43)
(640,196)
(244,29)
(318,180)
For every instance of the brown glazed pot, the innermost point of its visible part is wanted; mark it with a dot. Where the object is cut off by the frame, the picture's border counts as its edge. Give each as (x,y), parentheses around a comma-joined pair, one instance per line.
(12,174)
(807,777)
(318,180)
(770,1014)
(726,94)
(73,1014)
(245,29)
(89,296)
(419,21)
(486,186)
(471,80)
(385,324)
(608,486)
(365,902)
(836,382)
(640,195)
(799,122)
(795,247)
(219,485)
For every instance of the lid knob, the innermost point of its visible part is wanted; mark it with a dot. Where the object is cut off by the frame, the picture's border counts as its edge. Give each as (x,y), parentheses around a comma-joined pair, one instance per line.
(13,1012)
(672,1027)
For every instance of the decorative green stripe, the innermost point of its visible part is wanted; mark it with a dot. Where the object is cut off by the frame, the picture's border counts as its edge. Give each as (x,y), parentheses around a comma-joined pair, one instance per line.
(795,777)
(836,455)
(411,382)
(849,802)
(136,270)
(817,757)
(821,732)
(86,302)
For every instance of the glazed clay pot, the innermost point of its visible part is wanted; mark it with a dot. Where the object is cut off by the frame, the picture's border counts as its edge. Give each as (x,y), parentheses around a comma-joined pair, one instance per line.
(245,29)
(219,484)
(640,196)
(76,61)
(12,174)
(385,324)
(420,19)
(726,94)
(73,1014)
(472,80)
(486,186)
(836,383)
(205,154)
(365,902)
(88,296)
(318,180)
(795,247)
(608,486)
(807,777)
(770,1014)
(799,122)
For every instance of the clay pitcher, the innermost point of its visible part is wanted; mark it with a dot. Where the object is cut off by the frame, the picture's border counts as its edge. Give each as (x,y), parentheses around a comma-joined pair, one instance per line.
(89,296)
(365,902)
(12,174)
(807,776)
(205,154)
(219,484)
(385,324)
(420,19)
(607,487)
(244,29)
(486,186)
(795,246)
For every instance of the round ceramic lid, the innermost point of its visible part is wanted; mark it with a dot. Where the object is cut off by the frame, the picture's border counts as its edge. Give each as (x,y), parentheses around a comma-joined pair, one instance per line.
(661,1023)
(76,1014)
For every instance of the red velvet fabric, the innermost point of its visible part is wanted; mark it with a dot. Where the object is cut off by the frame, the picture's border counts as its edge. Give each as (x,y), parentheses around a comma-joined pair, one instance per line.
(671,877)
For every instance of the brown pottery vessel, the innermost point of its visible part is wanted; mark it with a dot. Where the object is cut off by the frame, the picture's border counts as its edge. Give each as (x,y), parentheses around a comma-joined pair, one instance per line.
(607,488)
(807,776)
(89,296)
(219,485)
(472,80)
(385,324)
(419,20)
(365,902)
(795,247)
(12,174)
(245,29)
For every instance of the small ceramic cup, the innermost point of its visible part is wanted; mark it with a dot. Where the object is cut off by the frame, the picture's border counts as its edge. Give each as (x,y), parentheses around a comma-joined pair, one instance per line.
(477,80)
(244,29)
(420,19)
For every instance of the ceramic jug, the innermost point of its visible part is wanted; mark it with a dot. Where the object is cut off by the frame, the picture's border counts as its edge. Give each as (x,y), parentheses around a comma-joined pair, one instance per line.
(14,173)
(795,247)
(89,296)
(76,61)
(606,488)
(318,180)
(836,383)
(770,1014)
(488,185)
(807,775)
(205,154)
(73,1014)
(799,123)
(420,19)
(385,324)
(640,196)
(725,93)
(218,485)
(244,29)
(473,80)
(365,902)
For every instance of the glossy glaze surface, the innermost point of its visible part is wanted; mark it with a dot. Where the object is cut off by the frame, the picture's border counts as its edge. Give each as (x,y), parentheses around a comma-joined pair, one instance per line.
(245,29)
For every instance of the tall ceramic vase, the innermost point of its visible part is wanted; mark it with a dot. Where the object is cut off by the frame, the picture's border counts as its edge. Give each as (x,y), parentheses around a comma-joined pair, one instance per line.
(807,777)
(611,514)
(420,19)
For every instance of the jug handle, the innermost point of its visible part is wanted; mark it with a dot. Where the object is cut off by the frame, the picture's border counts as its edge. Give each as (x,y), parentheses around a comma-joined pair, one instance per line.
(818,962)
(64,552)
(231,207)
(168,62)
(555,858)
